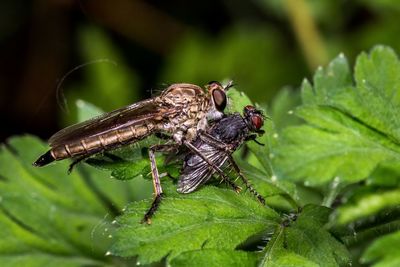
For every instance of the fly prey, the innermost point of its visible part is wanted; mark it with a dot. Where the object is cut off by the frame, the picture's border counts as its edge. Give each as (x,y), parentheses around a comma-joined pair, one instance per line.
(213,151)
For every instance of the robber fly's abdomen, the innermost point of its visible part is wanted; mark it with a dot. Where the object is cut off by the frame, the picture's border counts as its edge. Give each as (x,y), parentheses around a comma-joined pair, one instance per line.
(88,146)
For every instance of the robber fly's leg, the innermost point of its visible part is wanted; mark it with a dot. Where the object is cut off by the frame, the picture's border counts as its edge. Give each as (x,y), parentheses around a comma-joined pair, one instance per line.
(212,165)
(245,181)
(74,162)
(156,179)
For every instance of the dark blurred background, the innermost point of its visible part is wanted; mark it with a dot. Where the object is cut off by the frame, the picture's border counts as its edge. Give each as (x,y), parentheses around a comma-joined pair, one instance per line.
(112,53)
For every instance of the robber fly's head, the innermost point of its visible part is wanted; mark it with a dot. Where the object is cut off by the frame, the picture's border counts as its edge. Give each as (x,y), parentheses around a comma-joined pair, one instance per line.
(254,119)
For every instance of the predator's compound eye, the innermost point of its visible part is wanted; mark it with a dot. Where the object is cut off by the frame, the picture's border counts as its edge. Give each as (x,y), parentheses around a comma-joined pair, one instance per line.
(219,98)
(218,95)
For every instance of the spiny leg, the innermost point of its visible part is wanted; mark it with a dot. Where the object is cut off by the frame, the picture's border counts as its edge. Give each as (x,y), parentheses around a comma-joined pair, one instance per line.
(244,179)
(212,165)
(156,179)
(211,140)
(222,146)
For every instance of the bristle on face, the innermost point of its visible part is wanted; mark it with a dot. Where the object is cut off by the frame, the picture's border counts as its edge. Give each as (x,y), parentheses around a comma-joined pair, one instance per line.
(44,159)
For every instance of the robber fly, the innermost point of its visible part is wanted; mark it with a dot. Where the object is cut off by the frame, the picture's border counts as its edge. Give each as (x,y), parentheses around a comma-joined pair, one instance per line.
(214,150)
(179,113)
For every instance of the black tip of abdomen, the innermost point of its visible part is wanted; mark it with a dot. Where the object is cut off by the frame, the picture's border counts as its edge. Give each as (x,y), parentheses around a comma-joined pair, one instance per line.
(44,159)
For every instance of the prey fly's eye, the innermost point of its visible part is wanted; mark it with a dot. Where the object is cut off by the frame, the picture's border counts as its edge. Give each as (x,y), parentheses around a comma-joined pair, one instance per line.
(219,98)
(254,117)
(257,121)
(249,109)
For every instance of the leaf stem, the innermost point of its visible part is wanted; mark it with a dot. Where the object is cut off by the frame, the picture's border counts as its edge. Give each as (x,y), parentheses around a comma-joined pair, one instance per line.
(333,191)
(307,33)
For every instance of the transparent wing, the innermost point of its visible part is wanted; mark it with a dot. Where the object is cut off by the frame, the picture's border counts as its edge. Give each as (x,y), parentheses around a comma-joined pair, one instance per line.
(196,171)
(137,113)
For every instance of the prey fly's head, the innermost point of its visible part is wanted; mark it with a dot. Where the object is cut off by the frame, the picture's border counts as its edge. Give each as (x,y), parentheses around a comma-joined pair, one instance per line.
(254,119)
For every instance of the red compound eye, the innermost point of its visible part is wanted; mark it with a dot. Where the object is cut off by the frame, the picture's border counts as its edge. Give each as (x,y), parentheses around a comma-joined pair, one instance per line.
(257,121)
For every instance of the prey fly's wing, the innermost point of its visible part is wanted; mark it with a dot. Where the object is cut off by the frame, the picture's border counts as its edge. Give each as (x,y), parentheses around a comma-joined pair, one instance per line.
(138,113)
(196,171)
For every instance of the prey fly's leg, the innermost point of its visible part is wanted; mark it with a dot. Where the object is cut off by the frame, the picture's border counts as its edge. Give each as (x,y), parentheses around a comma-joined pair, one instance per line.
(213,166)
(253,137)
(156,179)
(217,143)
(211,140)
(245,181)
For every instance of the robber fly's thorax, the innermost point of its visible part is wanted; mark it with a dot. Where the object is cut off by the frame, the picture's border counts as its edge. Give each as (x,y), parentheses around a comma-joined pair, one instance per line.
(192,105)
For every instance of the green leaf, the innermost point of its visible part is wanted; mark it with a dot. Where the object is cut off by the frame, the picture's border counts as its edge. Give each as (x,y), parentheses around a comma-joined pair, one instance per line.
(329,83)
(350,128)
(48,217)
(303,241)
(213,219)
(34,259)
(280,195)
(130,161)
(377,76)
(386,175)
(275,253)
(237,101)
(369,205)
(283,104)
(220,257)
(120,168)
(383,252)
(87,110)
(308,238)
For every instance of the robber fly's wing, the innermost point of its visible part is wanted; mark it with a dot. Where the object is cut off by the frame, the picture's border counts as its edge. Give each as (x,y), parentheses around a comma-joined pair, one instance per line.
(137,113)
(196,171)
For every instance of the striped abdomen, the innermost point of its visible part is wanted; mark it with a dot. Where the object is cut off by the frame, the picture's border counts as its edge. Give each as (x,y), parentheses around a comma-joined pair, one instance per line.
(87,146)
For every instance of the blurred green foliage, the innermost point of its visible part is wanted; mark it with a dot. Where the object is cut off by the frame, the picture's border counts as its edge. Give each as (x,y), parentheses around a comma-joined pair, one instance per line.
(329,169)
(331,184)
(107,83)
(245,54)
(258,55)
